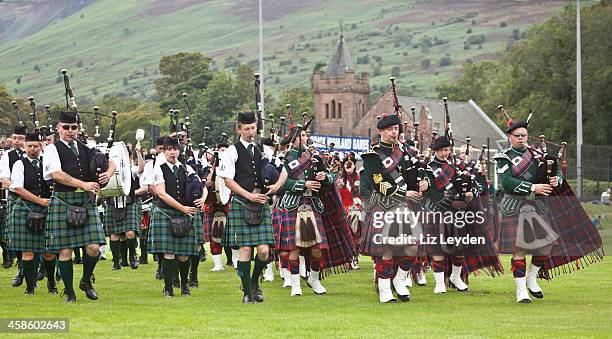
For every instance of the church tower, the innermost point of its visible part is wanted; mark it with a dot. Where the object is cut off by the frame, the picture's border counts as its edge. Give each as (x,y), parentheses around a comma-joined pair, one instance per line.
(340,95)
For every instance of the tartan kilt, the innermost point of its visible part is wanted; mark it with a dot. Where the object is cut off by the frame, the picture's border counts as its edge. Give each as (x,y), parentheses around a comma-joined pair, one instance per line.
(19,238)
(506,242)
(238,233)
(161,239)
(276,224)
(286,240)
(133,217)
(370,248)
(59,235)
(3,221)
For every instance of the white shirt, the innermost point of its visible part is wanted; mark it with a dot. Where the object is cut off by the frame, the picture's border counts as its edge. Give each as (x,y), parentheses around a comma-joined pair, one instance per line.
(158,174)
(5,168)
(17,177)
(227,160)
(146,178)
(51,161)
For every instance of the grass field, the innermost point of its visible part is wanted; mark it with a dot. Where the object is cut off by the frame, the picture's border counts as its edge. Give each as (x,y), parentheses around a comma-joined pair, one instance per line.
(131,304)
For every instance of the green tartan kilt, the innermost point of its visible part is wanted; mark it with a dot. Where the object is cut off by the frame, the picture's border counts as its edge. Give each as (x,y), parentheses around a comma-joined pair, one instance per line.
(161,239)
(4,221)
(19,238)
(59,235)
(238,233)
(130,223)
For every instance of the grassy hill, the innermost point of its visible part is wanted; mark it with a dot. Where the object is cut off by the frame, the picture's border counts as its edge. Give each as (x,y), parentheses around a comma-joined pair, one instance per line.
(113,46)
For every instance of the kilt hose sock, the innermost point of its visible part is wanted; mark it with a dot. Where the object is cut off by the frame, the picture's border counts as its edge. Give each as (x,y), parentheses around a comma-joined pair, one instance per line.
(115,248)
(385,269)
(50,269)
(195,263)
(29,273)
(437,266)
(458,261)
(89,264)
(294,266)
(539,260)
(184,269)
(131,245)
(257,269)
(315,263)
(519,266)
(284,260)
(170,271)
(244,272)
(66,272)
(216,249)
(124,251)
(405,263)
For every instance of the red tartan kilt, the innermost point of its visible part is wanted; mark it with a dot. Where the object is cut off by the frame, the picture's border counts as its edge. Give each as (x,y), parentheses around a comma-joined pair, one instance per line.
(286,240)
(276,224)
(145,220)
(208,215)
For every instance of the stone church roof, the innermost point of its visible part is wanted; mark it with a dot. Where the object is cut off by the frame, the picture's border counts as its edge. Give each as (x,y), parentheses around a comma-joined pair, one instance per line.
(340,62)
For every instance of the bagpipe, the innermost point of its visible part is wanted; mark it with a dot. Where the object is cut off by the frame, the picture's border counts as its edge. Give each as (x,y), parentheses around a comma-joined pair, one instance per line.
(269,172)
(99,153)
(414,171)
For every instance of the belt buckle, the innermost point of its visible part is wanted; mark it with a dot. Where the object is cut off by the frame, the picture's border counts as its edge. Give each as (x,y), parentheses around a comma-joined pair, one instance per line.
(257,191)
(308,193)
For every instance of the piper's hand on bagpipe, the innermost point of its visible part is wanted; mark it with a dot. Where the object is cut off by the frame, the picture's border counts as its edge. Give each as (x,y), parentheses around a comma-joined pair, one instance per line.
(199,202)
(272,189)
(469,196)
(103,178)
(92,187)
(542,189)
(414,196)
(423,185)
(313,185)
(554,181)
(320,176)
(188,210)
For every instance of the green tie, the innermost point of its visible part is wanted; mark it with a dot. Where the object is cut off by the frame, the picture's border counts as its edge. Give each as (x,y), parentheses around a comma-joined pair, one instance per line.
(35,163)
(175,170)
(74,149)
(250,149)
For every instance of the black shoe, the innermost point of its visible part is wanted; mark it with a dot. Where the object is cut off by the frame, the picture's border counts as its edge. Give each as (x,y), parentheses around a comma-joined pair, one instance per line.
(525,301)
(257,293)
(116,267)
(143,260)
(124,264)
(169,292)
(102,258)
(87,287)
(159,275)
(78,261)
(537,295)
(29,291)
(403,297)
(70,297)
(203,256)
(51,287)
(134,264)
(193,283)
(451,285)
(176,283)
(7,264)
(248,299)
(185,290)
(18,279)
(41,274)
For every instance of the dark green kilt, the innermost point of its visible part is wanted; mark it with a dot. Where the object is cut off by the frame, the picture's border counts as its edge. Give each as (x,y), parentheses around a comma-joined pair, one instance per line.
(6,215)
(59,235)
(161,239)
(238,233)
(130,223)
(19,238)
